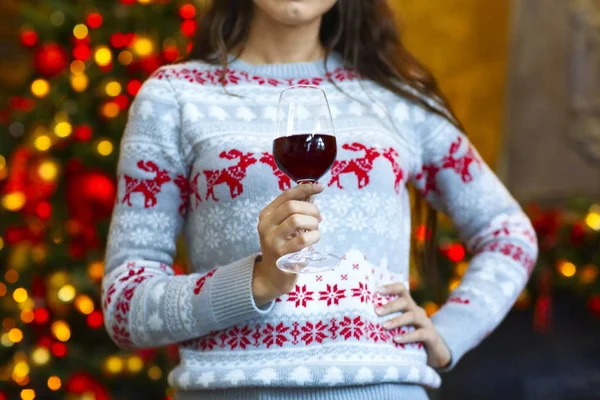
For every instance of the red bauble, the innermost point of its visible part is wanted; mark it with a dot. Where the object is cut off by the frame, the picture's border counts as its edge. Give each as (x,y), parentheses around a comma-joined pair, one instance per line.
(83,133)
(150,64)
(50,59)
(90,196)
(188,27)
(170,54)
(594,304)
(94,20)
(577,234)
(133,87)
(82,52)
(82,382)
(29,37)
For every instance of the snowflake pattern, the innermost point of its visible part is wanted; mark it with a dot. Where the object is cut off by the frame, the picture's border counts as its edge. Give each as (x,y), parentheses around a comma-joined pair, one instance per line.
(332,295)
(300,295)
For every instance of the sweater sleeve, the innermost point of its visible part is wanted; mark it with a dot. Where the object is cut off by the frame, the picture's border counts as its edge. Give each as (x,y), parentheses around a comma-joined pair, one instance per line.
(145,304)
(453,178)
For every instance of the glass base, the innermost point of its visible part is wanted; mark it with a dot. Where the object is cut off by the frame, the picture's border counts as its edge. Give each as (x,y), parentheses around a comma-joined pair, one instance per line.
(308,262)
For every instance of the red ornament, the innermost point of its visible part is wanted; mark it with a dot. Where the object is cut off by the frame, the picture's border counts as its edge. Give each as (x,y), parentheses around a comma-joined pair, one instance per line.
(29,37)
(94,20)
(150,64)
(95,319)
(59,349)
(128,39)
(577,234)
(21,103)
(128,2)
(189,47)
(45,341)
(43,210)
(90,196)
(594,304)
(147,354)
(83,133)
(170,54)
(188,27)
(50,59)
(41,315)
(81,382)
(82,52)
(122,101)
(187,11)
(133,87)
(456,253)
(117,40)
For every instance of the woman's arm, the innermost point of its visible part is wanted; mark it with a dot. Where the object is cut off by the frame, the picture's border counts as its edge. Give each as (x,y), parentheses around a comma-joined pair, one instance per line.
(145,305)
(451,175)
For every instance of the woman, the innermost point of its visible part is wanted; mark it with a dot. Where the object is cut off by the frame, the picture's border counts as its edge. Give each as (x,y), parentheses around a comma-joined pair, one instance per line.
(197,153)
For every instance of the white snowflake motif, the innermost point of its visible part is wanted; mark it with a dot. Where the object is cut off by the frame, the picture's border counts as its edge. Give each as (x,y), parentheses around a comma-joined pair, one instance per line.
(234,230)
(380,224)
(246,210)
(215,216)
(333,376)
(206,378)
(155,323)
(191,113)
(235,376)
(340,204)
(170,119)
(129,220)
(146,109)
(371,203)
(401,112)
(245,113)
(328,225)
(159,221)
(357,221)
(301,375)
(212,238)
(141,237)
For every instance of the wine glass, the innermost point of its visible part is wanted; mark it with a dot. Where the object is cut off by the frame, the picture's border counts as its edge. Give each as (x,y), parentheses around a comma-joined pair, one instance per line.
(305,149)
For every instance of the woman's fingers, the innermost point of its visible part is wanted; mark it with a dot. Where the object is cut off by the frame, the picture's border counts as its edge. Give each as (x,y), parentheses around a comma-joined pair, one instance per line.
(423,335)
(294,207)
(415,318)
(299,193)
(295,223)
(396,305)
(301,241)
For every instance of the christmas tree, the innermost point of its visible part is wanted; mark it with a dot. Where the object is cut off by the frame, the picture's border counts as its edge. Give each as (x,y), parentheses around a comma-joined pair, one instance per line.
(58,154)
(59,136)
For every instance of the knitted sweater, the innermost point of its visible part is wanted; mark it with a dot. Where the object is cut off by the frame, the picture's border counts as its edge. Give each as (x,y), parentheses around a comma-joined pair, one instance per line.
(198,159)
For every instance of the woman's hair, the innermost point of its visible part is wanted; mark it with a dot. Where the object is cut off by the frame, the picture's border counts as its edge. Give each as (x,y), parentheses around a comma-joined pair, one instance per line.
(364,33)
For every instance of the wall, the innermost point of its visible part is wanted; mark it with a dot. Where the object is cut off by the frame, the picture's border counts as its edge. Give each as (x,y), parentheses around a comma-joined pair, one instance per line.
(465,43)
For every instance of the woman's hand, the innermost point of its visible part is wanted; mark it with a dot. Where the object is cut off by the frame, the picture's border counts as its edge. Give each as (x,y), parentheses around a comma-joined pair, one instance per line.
(438,354)
(285,226)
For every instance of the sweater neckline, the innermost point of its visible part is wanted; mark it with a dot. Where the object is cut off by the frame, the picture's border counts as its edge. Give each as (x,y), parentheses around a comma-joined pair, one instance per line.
(289,70)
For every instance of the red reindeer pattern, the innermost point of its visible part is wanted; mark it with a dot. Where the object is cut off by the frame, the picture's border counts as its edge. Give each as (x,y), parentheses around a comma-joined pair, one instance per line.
(148,187)
(184,193)
(358,166)
(232,175)
(459,165)
(392,155)
(284,181)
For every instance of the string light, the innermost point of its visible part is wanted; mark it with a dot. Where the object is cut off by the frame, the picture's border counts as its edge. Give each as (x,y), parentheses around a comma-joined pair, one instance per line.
(144,1)
(63,129)
(95,319)
(133,87)
(77,67)
(61,331)
(27,394)
(461,268)
(20,295)
(27,316)
(110,110)
(113,89)
(125,57)
(154,373)
(66,293)
(21,369)
(104,147)
(11,275)
(42,142)
(593,220)
(80,31)
(135,363)
(59,349)
(430,308)
(103,56)
(2,162)
(13,201)
(94,20)
(187,11)
(113,364)
(57,18)
(453,284)
(79,82)
(54,383)
(8,323)
(15,335)
(96,270)
(40,88)
(40,355)
(82,52)
(588,274)
(566,268)
(2,289)
(6,342)
(84,304)
(143,46)
(48,170)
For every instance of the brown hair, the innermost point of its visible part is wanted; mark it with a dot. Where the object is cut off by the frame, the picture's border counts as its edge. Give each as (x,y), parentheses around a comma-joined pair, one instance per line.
(364,33)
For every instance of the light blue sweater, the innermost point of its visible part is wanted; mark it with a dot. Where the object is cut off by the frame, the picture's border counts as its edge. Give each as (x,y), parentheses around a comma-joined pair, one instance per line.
(196,158)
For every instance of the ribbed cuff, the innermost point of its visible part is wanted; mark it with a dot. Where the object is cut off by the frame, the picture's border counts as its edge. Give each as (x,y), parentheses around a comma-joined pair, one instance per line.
(460,331)
(230,294)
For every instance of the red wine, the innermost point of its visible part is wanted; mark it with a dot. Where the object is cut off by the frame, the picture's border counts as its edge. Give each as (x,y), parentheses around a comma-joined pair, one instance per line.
(305,157)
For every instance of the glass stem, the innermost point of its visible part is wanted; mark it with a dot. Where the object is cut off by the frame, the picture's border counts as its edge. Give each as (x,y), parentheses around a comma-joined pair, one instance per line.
(311,200)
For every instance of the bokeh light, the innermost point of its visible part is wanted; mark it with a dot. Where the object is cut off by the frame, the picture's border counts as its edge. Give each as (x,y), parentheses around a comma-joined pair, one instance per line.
(40,88)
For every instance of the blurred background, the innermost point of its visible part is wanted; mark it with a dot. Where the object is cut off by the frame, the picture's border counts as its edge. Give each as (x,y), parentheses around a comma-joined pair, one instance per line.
(524,77)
